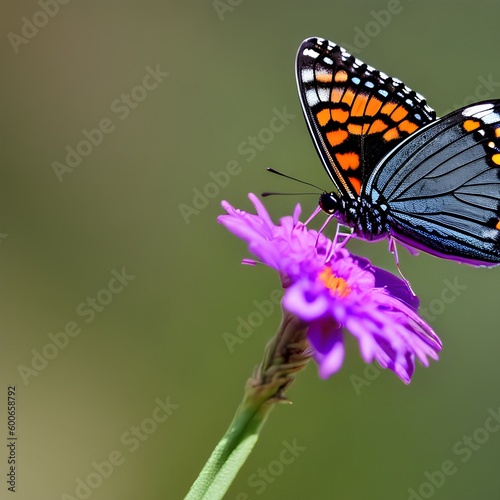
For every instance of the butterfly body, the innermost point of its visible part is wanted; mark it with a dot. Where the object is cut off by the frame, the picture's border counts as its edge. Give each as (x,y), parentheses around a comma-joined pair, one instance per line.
(400,172)
(368,219)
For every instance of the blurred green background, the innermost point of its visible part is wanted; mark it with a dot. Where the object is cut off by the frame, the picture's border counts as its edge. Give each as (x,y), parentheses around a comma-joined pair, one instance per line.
(230,66)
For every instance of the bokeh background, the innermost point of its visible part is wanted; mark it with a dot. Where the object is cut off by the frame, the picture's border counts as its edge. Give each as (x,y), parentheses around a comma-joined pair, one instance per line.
(230,66)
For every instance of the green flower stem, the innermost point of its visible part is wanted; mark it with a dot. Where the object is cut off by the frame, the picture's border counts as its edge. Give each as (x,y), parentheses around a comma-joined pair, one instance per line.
(285,354)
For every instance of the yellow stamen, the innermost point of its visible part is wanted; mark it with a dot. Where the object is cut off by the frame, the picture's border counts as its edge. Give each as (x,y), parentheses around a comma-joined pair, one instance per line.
(337,286)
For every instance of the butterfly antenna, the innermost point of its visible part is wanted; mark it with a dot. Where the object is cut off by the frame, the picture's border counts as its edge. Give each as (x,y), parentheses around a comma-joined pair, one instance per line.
(294,179)
(272,193)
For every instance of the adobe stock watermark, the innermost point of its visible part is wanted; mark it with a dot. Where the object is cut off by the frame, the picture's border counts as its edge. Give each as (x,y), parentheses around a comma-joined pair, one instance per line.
(88,310)
(379,20)
(449,293)
(223,7)
(484,90)
(245,326)
(248,149)
(131,441)
(31,26)
(264,476)
(370,374)
(464,449)
(121,107)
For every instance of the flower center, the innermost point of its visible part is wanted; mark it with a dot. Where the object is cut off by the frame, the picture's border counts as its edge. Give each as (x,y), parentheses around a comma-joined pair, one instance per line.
(337,286)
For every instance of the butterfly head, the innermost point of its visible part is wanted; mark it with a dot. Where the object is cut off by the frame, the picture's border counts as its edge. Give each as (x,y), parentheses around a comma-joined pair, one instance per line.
(329,202)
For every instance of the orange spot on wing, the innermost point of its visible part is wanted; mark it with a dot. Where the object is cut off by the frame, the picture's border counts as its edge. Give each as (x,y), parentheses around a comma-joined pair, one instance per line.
(496,159)
(359,105)
(407,126)
(323,77)
(349,97)
(356,184)
(377,126)
(399,113)
(354,129)
(373,106)
(388,108)
(497,132)
(470,125)
(348,160)
(336,94)
(323,116)
(391,134)
(336,137)
(341,76)
(339,115)
(498,225)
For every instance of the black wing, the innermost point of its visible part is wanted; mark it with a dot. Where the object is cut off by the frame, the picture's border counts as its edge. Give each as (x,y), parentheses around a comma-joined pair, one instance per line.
(441,186)
(355,113)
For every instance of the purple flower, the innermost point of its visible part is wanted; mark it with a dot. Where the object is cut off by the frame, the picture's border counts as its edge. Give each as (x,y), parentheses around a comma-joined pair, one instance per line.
(334,291)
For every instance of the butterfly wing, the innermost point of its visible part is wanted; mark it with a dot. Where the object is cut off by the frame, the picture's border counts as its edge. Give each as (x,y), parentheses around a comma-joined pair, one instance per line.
(355,113)
(441,187)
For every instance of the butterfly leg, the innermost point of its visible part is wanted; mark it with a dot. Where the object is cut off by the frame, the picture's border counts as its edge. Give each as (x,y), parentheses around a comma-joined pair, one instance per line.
(316,212)
(346,236)
(394,250)
(338,233)
(321,230)
(336,245)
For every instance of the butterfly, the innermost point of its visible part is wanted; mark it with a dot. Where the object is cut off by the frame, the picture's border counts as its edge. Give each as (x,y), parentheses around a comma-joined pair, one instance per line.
(400,172)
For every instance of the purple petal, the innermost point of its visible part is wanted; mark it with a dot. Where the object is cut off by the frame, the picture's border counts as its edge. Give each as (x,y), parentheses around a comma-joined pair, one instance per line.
(296,214)
(300,300)
(396,287)
(328,346)
(261,210)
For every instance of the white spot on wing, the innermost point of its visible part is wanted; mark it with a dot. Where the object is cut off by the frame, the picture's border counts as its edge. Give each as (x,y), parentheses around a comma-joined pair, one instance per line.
(307,75)
(311,53)
(488,118)
(324,94)
(311,97)
(476,110)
